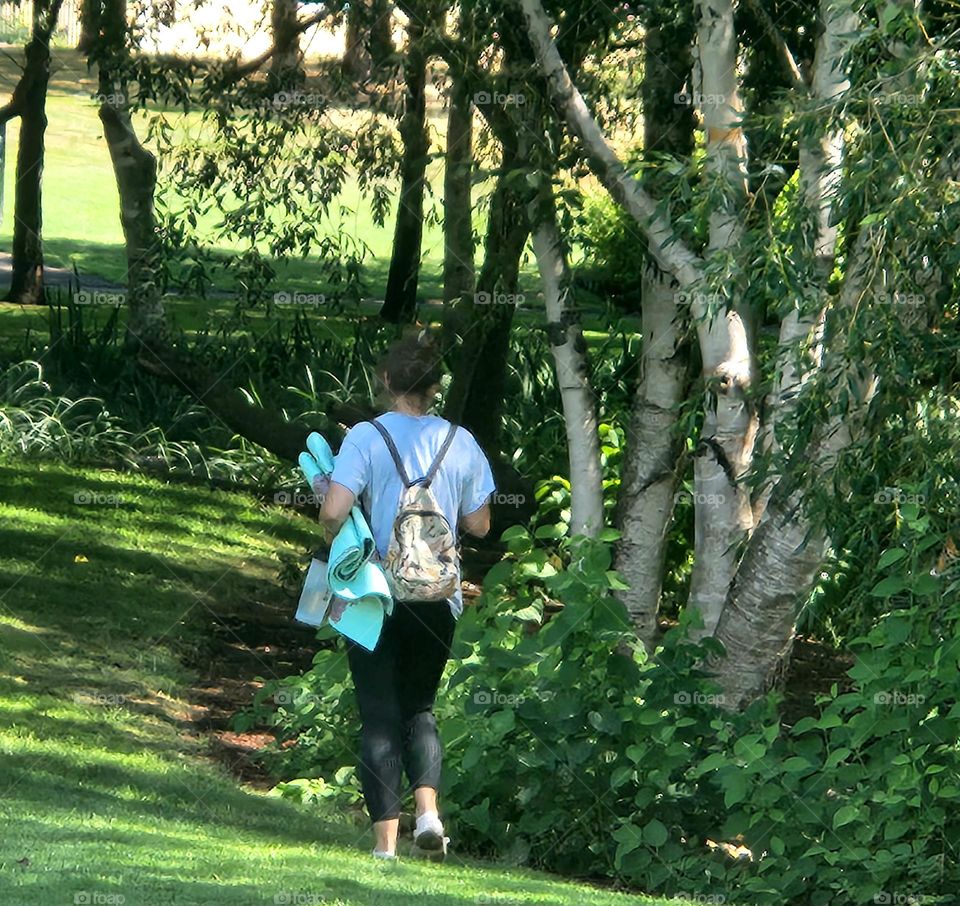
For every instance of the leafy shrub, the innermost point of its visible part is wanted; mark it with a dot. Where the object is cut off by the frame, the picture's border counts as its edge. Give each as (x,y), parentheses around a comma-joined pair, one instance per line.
(567,749)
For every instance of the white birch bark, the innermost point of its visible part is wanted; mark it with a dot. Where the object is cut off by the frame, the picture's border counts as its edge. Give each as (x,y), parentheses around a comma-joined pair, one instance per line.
(820,158)
(649,479)
(724,517)
(569,356)
(730,427)
(671,253)
(785,552)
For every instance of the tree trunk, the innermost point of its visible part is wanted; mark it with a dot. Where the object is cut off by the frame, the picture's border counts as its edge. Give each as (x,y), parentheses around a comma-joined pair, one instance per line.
(570,358)
(650,474)
(478,329)
(381,34)
(785,552)
(148,337)
(135,170)
(286,65)
(671,253)
(400,301)
(458,264)
(369,38)
(724,516)
(820,158)
(355,63)
(89,26)
(650,471)
(26,285)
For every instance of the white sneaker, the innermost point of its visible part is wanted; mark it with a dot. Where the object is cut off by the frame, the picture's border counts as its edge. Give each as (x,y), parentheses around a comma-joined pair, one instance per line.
(379,854)
(428,836)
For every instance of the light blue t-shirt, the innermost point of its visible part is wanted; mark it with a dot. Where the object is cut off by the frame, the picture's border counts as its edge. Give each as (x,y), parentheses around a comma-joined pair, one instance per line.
(364,465)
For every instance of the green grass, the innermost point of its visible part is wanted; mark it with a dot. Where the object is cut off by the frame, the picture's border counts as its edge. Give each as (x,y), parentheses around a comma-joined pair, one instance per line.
(102,794)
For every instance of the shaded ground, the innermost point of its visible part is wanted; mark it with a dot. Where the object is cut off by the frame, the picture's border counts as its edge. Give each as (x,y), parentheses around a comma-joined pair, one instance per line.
(62,278)
(259,637)
(813,669)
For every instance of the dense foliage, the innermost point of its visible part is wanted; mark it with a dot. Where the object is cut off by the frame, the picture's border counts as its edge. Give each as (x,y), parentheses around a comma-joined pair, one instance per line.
(565,748)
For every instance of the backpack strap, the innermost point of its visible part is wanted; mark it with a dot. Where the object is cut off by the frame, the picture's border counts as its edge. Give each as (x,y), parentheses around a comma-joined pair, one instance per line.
(432,473)
(394,452)
(398,462)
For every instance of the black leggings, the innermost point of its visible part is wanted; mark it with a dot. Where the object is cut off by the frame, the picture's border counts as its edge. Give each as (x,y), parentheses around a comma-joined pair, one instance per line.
(396,685)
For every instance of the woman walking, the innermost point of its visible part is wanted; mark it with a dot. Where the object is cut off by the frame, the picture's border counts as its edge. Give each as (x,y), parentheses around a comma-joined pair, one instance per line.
(396,684)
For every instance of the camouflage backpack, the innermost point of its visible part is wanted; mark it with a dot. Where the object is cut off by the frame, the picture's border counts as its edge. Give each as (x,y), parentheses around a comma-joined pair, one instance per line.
(422,562)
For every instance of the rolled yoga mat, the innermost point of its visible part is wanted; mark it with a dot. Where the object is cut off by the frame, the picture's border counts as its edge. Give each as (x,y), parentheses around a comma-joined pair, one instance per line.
(351,575)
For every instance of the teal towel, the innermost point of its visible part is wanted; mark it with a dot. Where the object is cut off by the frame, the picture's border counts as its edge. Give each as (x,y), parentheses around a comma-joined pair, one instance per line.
(352,575)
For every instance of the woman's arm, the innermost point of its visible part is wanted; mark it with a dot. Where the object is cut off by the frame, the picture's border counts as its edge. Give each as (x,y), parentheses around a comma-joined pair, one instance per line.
(477,523)
(336,507)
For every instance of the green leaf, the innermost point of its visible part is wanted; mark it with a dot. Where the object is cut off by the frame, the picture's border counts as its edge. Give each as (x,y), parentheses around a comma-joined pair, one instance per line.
(531,613)
(502,722)
(628,836)
(655,833)
(888,587)
(891,556)
(844,815)
(735,789)
(615,582)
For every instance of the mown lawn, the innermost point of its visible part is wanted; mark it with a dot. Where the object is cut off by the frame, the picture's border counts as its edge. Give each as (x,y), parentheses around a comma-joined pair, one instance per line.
(106,588)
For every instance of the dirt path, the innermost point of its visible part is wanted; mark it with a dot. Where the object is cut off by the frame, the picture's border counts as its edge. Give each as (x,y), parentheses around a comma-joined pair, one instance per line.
(249,638)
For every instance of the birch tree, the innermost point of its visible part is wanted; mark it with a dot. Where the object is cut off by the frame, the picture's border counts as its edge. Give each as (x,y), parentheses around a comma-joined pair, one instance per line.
(758,547)
(570,360)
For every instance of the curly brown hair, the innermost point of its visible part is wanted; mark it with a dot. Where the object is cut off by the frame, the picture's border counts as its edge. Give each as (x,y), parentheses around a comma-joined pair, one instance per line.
(412,366)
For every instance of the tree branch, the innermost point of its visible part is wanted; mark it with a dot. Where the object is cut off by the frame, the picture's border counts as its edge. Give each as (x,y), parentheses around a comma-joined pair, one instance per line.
(671,253)
(253,65)
(784,54)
